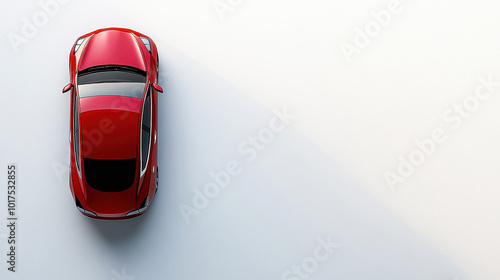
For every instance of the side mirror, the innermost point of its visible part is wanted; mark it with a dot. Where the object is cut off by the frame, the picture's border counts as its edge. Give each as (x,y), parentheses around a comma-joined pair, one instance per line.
(67,87)
(157,87)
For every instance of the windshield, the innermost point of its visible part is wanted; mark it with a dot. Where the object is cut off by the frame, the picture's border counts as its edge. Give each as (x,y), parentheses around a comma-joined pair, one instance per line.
(114,80)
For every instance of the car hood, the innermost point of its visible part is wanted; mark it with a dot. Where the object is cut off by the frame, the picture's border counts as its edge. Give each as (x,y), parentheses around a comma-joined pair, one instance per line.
(112,47)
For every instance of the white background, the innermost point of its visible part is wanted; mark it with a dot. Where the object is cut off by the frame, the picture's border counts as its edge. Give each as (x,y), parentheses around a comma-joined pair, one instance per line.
(323,176)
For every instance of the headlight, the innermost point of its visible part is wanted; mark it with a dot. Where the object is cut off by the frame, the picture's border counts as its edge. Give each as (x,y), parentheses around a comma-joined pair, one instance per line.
(141,209)
(146,43)
(78,43)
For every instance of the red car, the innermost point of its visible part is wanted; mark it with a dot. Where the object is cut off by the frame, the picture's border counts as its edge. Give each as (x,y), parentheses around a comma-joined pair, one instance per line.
(114,120)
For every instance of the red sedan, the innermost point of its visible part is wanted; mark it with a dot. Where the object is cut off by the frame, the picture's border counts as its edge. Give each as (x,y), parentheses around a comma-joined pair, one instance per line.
(114,119)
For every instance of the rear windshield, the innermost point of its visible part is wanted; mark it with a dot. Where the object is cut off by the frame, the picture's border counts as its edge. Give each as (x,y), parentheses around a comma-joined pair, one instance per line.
(109,175)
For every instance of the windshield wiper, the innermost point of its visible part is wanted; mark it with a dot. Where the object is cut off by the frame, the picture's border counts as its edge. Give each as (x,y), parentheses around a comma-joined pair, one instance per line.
(106,68)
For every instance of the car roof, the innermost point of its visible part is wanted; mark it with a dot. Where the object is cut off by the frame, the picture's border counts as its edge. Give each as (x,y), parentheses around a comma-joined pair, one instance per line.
(110,130)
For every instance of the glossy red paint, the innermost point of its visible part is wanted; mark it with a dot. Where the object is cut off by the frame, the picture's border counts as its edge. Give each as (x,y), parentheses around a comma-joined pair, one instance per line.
(111,205)
(110,126)
(109,134)
(112,47)
(117,104)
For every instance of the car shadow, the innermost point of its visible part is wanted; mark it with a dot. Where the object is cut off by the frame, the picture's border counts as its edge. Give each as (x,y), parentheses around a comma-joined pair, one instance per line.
(290,194)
